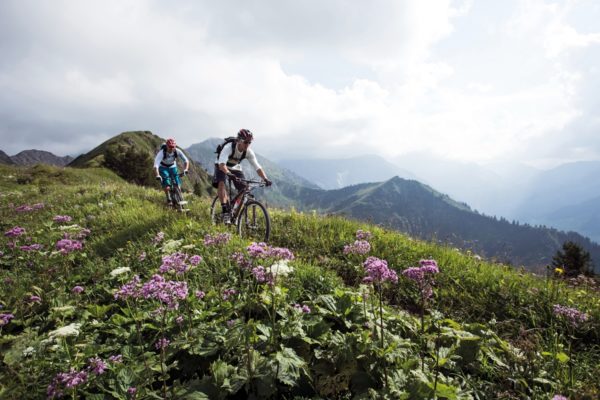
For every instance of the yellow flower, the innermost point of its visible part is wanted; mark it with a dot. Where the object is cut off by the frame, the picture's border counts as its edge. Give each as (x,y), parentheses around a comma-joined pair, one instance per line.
(559,271)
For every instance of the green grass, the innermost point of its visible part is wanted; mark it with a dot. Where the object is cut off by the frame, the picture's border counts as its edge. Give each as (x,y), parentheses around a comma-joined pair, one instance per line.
(489,331)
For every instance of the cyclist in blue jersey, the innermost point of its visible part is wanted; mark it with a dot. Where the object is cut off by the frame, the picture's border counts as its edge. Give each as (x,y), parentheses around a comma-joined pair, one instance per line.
(165,166)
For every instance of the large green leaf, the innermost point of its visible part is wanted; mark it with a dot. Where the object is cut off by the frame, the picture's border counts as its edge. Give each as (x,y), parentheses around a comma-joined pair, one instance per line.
(289,366)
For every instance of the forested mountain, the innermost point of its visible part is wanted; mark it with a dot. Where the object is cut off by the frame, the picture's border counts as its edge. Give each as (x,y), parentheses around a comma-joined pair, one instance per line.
(417,209)
(131,156)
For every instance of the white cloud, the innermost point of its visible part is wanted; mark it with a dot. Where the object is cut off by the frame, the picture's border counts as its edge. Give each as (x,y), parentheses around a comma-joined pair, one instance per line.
(457,79)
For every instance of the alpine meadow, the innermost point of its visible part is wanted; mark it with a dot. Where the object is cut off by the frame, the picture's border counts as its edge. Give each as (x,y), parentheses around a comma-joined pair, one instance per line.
(107,294)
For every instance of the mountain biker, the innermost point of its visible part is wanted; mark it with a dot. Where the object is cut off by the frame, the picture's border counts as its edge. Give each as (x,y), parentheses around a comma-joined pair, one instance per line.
(165,166)
(229,166)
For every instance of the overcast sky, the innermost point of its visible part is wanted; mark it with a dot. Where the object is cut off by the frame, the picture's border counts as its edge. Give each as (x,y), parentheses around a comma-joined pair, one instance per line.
(481,80)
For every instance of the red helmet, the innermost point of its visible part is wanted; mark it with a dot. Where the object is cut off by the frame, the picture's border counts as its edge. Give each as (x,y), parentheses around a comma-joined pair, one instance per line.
(171,143)
(245,135)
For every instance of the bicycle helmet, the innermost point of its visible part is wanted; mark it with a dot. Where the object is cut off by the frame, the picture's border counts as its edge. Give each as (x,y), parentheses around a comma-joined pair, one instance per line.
(171,143)
(245,135)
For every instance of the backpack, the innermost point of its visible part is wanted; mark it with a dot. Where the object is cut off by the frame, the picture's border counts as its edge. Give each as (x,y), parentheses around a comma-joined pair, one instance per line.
(227,140)
(163,147)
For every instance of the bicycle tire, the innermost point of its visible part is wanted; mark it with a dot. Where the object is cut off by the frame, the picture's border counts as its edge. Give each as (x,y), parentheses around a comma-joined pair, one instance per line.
(215,214)
(254,222)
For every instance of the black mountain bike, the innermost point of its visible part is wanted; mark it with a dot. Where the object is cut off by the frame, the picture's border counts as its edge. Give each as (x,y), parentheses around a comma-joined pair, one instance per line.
(177,201)
(248,215)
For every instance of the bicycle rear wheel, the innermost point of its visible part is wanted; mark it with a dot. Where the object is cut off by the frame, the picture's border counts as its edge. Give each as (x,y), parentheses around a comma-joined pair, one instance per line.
(215,211)
(254,222)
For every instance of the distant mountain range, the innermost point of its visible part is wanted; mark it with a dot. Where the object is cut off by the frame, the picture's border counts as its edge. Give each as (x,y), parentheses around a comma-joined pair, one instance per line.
(417,209)
(32,157)
(338,173)
(567,197)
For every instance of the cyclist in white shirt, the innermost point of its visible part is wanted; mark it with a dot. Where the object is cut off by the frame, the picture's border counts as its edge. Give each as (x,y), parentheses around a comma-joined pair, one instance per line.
(228,163)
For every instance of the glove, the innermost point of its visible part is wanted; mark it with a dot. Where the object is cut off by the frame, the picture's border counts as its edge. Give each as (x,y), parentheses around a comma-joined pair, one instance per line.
(158,178)
(233,178)
(185,171)
(268,182)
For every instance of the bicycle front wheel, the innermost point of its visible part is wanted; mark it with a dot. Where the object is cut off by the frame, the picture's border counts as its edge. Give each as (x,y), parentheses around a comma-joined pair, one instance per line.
(215,211)
(254,222)
(177,198)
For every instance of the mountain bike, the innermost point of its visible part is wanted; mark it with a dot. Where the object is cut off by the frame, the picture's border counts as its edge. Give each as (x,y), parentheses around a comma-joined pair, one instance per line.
(248,215)
(177,201)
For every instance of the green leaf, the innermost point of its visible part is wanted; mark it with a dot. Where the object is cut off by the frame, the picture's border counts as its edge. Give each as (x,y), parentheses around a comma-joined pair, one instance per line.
(446,391)
(562,357)
(289,366)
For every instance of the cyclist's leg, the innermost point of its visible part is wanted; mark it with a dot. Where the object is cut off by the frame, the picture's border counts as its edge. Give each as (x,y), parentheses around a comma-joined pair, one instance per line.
(166,181)
(238,184)
(221,179)
(175,175)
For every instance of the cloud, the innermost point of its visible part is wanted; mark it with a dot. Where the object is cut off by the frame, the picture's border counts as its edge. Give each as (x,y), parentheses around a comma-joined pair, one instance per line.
(456,79)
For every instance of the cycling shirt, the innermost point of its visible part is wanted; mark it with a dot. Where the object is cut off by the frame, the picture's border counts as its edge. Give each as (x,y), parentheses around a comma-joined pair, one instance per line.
(169,160)
(233,161)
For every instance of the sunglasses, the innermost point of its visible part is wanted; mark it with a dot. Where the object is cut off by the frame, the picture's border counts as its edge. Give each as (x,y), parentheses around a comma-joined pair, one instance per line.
(247,141)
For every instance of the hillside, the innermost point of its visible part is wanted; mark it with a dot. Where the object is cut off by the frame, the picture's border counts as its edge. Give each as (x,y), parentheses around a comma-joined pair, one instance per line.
(5,159)
(32,157)
(131,156)
(418,210)
(107,295)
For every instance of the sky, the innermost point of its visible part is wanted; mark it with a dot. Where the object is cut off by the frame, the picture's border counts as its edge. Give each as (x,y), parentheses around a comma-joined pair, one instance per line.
(479,81)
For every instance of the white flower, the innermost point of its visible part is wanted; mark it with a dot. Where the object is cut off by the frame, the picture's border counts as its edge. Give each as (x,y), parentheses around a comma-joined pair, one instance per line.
(171,246)
(65,331)
(28,351)
(69,227)
(281,268)
(119,271)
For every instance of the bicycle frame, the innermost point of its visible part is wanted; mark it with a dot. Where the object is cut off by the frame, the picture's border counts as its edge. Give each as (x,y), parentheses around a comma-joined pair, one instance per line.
(249,215)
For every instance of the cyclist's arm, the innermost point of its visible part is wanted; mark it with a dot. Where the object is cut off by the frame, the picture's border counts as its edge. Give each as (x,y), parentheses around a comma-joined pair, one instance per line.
(259,170)
(251,157)
(184,159)
(157,160)
(262,174)
(222,160)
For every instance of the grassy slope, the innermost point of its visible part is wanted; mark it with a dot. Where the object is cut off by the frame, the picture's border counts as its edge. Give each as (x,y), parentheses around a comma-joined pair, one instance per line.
(479,297)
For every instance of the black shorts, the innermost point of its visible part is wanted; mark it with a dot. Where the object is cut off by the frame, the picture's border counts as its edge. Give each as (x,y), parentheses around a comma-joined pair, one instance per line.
(219,176)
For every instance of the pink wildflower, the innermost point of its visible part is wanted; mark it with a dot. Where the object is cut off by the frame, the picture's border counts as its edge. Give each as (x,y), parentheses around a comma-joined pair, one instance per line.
(5,318)
(77,289)
(66,246)
(97,365)
(62,218)
(162,343)
(378,272)
(574,316)
(15,232)
(363,235)
(360,247)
